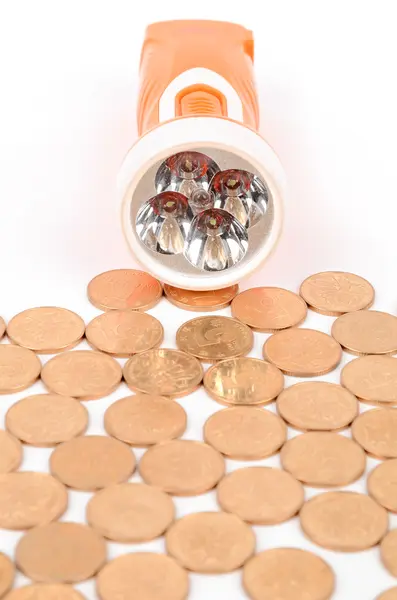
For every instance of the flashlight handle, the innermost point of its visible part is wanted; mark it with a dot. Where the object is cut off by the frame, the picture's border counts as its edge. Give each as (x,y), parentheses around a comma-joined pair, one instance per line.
(197,68)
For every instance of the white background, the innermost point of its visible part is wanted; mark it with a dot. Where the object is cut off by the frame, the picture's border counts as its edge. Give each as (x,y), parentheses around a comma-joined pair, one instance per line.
(68,86)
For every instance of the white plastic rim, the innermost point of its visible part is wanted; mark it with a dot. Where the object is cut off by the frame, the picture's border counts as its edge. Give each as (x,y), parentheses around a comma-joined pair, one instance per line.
(190,133)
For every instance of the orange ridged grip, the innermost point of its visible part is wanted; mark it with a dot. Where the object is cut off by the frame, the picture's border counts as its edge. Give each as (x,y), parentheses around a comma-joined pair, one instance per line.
(174,47)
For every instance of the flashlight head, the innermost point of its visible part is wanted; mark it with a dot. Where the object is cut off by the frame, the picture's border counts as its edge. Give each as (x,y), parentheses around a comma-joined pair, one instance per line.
(201,202)
(225,204)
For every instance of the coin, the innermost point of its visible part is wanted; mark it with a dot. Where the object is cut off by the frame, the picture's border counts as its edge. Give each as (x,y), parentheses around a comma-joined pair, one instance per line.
(260,495)
(46,329)
(366,332)
(124,289)
(144,419)
(317,406)
(46,419)
(60,553)
(388,552)
(143,575)
(372,378)
(130,512)
(2,327)
(302,352)
(343,521)
(82,374)
(45,591)
(163,372)
(200,300)
(288,574)
(246,381)
(122,333)
(19,368)
(210,542)
(245,433)
(390,594)
(10,452)
(323,458)
(334,292)
(269,308)
(92,462)
(7,574)
(182,467)
(214,338)
(29,499)
(376,431)
(382,484)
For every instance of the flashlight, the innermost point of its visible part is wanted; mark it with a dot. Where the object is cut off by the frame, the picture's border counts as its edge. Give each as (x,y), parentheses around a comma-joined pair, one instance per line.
(201,190)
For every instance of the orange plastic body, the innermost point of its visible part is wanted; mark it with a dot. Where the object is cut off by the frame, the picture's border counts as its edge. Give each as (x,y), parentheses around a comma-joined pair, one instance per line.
(173,47)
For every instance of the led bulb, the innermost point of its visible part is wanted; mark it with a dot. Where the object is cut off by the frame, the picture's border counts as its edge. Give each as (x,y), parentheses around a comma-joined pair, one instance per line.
(216,240)
(242,194)
(163,222)
(186,172)
(200,200)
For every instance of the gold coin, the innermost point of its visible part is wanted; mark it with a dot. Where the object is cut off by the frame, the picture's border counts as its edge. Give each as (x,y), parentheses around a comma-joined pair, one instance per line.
(124,289)
(245,433)
(288,574)
(130,512)
(269,309)
(214,338)
(144,419)
(46,419)
(19,368)
(344,521)
(302,352)
(123,333)
(200,300)
(376,431)
(260,495)
(2,327)
(92,462)
(210,542)
(143,575)
(388,552)
(317,406)
(60,553)
(372,378)
(246,381)
(182,467)
(323,458)
(10,452)
(83,374)
(366,332)
(334,292)
(382,484)
(29,499)
(7,574)
(45,591)
(390,594)
(163,372)
(46,329)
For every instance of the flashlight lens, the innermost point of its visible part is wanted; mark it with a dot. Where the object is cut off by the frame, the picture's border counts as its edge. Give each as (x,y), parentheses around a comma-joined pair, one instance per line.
(216,240)
(185,172)
(200,212)
(242,194)
(163,222)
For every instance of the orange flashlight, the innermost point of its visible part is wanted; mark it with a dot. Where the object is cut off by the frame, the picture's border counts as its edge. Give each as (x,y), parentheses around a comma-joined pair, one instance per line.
(201,190)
